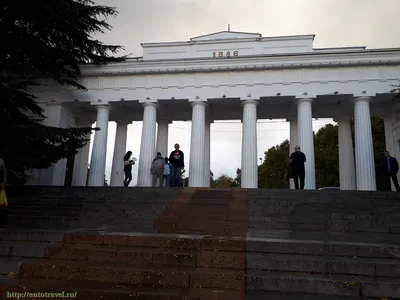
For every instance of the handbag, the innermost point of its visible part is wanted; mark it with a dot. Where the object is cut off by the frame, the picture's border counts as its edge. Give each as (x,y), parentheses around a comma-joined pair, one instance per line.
(3,198)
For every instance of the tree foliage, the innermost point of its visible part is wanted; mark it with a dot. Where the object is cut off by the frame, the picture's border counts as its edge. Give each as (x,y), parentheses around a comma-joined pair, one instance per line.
(272,173)
(224,181)
(326,151)
(238,177)
(47,40)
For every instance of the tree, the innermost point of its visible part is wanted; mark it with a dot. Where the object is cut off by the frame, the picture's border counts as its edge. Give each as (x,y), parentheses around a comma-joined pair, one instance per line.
(238,178)
(272,173)
(48,40)
(212,181)
(326,152)
(224,181)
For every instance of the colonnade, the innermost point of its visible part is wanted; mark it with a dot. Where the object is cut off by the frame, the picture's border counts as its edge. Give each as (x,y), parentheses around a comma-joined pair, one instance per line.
(358,173)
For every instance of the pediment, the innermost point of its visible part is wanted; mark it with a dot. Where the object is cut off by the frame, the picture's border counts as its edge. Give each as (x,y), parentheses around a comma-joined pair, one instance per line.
(226,35)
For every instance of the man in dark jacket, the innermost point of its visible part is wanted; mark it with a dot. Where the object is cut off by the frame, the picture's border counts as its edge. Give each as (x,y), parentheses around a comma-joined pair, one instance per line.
(176,159)
(297,160)
(391,167)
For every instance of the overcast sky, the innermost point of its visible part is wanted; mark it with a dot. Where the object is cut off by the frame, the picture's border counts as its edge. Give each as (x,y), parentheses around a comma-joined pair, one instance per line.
(335,23)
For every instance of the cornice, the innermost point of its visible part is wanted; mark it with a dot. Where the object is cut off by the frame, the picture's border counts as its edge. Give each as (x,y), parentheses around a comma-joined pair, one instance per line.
(300,60)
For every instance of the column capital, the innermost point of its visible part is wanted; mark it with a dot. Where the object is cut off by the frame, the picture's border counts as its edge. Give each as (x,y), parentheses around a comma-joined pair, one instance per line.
(253,101)
(199,102)
(304,98)
(153,104)
(362,98)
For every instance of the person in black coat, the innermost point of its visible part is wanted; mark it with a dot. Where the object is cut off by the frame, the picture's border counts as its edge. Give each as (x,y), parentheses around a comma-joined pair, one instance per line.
(391,167)
(177,161)
(297,169)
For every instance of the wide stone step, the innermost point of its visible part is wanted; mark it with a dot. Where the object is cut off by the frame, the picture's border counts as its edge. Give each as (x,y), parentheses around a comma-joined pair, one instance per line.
(31,235)
(89,290)
(338,285)
(324,264)
(322,247)
(257,295)
(123,273)
(22,249)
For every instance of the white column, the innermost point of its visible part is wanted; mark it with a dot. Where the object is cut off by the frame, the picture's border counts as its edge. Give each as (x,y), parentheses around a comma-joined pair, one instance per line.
(292,143)
(117,171)
(365,167)
(390,142)
(197,140)
(249,176)
(81,163)
(306,139)
(148,144)
(57,116)
(347,173)
(207,144)
(162,138)
(99,150)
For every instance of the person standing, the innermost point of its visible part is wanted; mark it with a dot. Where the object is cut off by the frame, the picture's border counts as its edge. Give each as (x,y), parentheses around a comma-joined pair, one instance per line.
(128,168)
(157,170)
(167,172)
(176,159)
(391,167)
(297,160)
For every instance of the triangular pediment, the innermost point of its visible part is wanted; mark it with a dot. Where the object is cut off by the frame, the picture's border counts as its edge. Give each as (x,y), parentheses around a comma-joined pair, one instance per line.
(225,35)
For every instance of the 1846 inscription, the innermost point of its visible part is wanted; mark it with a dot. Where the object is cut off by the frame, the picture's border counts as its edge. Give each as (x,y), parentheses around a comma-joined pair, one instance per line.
(225,54)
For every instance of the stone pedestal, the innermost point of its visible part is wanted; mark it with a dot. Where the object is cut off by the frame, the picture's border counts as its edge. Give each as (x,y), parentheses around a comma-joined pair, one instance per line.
(117,171)
(197,149)
(249,176)
(306,139)
(148,144)
(347,174)
(365,166)
(99,151)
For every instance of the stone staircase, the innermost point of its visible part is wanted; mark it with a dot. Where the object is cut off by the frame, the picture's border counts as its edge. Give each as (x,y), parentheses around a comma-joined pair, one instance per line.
(136,266)
(205,244)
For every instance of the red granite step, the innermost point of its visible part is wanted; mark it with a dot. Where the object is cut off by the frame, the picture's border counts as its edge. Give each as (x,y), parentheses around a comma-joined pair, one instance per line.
(141,256)
(89,290)
(167,241)
(124,273)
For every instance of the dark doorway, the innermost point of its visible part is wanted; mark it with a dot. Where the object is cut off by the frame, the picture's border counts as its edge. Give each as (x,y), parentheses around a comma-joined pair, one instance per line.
(70,170)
